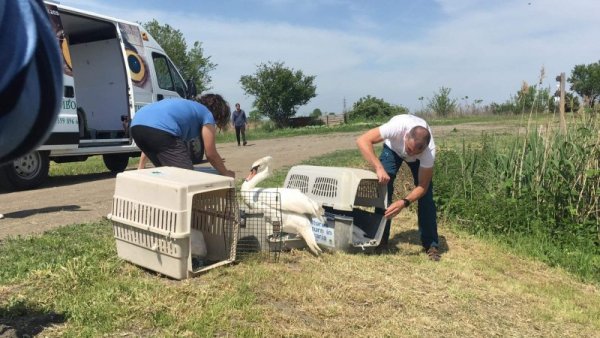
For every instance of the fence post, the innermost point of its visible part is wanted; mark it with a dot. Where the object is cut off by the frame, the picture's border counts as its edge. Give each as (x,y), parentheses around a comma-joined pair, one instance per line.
(561,104)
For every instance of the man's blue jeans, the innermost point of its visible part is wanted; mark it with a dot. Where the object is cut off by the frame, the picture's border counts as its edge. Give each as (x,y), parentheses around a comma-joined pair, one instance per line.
(427,211)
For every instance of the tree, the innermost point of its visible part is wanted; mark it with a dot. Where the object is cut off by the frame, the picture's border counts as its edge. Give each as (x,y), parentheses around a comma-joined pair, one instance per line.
(585,81)
(192,64)
(278,90)
(369,107)
(316,113)
(531,98)
(441,103)
(571,102)
(254,116)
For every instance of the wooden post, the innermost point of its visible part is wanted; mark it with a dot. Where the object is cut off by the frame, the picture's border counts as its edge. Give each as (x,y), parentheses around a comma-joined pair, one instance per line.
(561,104)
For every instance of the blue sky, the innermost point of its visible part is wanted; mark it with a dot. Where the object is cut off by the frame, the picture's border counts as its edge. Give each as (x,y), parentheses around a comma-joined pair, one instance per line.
(396,50)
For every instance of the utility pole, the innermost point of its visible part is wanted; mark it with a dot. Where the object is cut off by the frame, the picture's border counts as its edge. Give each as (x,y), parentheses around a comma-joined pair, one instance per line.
(561,104)
(344,112)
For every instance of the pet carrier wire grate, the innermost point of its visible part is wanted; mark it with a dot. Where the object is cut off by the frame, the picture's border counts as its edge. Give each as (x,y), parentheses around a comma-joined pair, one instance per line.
(174,221)
(260,225)
(353,201)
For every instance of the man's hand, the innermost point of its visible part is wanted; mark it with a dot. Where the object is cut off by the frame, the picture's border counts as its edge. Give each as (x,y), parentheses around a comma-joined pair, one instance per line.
(382,176)
(394,209)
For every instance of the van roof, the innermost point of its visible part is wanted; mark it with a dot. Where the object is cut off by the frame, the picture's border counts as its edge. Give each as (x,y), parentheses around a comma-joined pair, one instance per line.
(90,14)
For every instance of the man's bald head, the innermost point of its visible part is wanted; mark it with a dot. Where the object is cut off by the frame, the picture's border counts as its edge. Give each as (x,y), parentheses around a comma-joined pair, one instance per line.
(421,137)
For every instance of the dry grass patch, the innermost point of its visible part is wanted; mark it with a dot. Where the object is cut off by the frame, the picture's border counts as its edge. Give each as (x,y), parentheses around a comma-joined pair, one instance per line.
(476,290)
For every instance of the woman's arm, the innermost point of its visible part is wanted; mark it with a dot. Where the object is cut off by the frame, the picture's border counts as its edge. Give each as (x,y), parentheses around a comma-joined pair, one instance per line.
(210,149)
(143,160)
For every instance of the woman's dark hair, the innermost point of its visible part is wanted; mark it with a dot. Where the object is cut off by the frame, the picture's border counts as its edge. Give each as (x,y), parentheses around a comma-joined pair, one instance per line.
(218,107)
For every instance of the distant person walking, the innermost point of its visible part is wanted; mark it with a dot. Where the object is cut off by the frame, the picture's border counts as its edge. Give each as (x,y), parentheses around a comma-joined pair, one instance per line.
(239,121)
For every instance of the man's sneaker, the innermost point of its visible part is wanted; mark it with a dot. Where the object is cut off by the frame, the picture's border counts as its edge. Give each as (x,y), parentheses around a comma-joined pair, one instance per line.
(245,142)
(434,254)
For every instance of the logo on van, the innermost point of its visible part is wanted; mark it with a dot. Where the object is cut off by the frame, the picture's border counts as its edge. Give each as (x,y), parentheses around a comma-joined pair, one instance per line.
(69,104)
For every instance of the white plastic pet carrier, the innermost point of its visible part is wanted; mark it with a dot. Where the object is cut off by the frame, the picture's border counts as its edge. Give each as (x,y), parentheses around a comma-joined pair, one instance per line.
(350,197)
(174,221)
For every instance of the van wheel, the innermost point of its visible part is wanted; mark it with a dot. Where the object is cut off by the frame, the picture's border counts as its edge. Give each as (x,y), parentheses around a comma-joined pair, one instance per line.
(116,163)
(26,172)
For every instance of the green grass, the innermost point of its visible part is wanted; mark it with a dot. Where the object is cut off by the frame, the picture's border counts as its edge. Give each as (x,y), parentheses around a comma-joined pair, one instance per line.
(80,281)
(69,282)
(95,165)
(259,133)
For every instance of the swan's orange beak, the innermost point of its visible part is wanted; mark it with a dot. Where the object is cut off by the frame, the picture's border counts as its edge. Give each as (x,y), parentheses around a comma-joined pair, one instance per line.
(252,173)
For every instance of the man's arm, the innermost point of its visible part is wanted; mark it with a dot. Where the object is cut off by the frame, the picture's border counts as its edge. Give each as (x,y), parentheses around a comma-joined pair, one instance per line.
(425,175)
(365,144)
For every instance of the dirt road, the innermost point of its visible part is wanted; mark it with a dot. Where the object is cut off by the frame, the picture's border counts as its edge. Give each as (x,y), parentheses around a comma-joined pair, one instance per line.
(87,198)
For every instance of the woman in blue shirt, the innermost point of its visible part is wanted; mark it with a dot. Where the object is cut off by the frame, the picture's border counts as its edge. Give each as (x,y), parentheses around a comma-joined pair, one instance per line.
(161,130)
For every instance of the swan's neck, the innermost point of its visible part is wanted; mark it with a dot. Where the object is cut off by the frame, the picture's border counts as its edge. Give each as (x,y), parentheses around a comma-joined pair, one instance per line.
(257,178)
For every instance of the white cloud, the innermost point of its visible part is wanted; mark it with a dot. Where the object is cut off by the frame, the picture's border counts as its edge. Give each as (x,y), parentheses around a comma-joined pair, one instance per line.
(479,49)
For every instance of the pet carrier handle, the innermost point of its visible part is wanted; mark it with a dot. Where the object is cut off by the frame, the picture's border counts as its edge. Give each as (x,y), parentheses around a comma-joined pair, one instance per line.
(145,227)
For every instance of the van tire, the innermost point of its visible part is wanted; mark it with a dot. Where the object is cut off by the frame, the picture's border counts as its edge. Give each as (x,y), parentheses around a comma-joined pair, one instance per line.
(26,172)
(116,163)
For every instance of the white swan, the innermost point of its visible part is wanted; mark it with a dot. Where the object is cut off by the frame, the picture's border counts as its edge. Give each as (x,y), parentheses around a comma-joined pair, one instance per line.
(198,244)
(297,209)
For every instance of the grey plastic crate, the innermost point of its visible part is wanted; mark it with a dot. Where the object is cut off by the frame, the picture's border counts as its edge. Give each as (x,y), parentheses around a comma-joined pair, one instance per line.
(350,198)
(155,211)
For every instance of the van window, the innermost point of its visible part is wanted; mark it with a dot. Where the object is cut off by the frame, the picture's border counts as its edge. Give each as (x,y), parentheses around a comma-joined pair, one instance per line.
(167,76)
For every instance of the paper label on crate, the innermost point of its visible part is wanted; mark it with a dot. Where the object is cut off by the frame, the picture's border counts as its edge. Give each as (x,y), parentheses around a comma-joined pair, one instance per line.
(323,234)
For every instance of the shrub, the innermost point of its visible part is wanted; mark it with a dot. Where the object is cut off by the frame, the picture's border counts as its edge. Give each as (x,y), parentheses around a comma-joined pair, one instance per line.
(542,185)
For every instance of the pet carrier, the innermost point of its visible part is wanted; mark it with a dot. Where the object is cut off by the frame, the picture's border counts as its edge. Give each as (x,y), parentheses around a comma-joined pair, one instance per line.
(174,221)
(353,201)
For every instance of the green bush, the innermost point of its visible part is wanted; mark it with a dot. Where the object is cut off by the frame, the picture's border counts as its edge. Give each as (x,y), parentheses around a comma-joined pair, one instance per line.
(542,185)
(370,108)
(441,103)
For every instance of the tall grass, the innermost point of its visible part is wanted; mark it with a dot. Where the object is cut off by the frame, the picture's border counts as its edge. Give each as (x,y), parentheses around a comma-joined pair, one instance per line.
(543,185)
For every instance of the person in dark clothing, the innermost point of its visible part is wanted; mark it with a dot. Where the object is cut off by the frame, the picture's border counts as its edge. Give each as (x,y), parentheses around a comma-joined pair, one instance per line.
(239,121)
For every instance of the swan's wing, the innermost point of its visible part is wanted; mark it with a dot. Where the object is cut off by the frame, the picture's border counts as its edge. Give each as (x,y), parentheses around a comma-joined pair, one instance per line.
(300,224)
(261,197)
(294,200)
(288,199)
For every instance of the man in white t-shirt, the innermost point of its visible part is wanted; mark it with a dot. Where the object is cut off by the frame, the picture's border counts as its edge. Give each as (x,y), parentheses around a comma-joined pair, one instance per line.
(406,138)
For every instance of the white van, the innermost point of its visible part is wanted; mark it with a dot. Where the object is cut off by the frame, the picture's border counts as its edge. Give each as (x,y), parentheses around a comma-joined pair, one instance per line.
(111,68)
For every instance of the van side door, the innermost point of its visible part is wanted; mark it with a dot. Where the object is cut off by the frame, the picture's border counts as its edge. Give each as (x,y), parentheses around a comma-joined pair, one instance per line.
(169,83)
